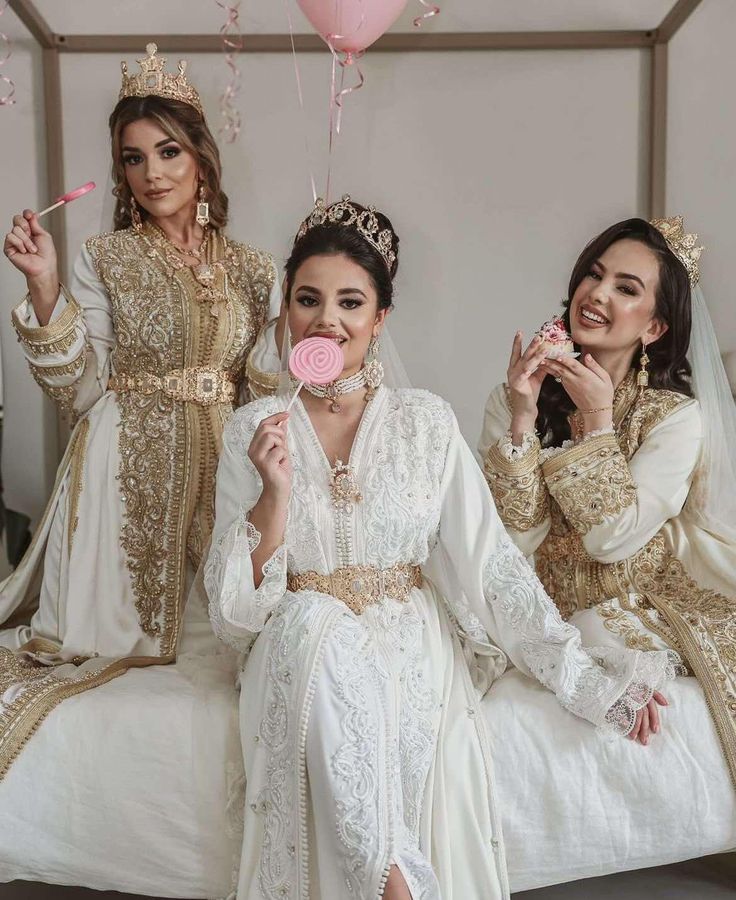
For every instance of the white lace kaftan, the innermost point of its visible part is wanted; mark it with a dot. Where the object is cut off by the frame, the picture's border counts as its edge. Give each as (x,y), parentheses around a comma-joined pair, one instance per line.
(362,741)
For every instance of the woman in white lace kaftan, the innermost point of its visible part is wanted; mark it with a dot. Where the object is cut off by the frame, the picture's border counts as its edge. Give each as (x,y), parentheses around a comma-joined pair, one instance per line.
(622,483)
(358,559)
(147,349)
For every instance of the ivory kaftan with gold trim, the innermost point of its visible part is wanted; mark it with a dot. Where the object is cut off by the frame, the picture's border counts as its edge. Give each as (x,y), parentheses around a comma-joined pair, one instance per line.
(605,521)
(132,509)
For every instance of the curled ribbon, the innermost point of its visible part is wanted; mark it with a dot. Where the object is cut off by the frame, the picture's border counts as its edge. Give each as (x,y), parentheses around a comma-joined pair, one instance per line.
(432,10)
(336,96)
(8,99)
(232,44)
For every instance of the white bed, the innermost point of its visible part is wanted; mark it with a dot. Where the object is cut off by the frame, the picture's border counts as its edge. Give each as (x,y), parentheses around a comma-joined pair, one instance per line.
(130,787)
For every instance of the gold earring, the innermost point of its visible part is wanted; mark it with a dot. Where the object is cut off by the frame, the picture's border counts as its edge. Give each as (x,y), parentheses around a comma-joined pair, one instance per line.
(373,369)
(135,216)
(642,377)
(203,207)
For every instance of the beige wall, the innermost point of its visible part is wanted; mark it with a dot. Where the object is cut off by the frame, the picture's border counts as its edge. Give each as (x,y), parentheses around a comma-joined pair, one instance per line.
(495,167)
(701,135)
(29,426)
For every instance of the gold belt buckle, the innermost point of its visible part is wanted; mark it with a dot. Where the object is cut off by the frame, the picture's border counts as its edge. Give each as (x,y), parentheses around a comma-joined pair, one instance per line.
(173,385)
(203,385)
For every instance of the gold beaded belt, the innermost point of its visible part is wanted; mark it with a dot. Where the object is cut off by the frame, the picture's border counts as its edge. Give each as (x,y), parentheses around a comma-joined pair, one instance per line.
(360,586)
(195,385)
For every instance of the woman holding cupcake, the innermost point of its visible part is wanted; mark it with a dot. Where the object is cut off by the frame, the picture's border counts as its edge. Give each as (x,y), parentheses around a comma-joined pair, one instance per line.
(613,464)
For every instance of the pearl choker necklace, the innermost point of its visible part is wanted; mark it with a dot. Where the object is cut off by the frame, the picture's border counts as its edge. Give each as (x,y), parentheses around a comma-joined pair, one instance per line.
(369,377)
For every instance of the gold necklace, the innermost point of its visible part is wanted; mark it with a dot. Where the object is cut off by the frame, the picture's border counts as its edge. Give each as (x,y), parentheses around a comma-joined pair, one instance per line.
(205,273)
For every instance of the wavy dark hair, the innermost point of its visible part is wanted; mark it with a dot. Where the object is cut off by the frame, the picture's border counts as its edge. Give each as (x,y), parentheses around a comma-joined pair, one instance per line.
(668,365)
(333,240)
(184,124)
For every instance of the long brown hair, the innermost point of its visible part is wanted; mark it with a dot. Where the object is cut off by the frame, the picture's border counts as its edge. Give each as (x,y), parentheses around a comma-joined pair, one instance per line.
(668,365)
(187,127)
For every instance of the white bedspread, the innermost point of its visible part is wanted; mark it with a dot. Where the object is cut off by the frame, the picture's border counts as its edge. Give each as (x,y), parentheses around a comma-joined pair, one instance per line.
(126,787)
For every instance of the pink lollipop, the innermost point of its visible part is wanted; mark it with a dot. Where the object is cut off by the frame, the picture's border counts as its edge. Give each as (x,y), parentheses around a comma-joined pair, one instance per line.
(68,197)
(316,360)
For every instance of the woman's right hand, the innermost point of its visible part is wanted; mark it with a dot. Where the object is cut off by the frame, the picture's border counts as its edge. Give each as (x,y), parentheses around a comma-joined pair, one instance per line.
(30,248)
(269,453)
(524,376)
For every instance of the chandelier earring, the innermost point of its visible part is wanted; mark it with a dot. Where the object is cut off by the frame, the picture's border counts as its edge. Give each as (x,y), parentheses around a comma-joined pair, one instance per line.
(135,215)
(203,207)
(373,369)
(642,377)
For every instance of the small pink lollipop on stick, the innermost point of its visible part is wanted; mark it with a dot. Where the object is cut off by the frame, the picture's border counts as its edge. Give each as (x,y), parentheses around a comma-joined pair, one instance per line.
(316,360)
(68,197)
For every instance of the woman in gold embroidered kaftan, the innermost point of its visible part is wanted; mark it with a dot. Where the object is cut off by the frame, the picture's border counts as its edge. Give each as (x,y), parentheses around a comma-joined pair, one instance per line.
(621,482)
(147,349)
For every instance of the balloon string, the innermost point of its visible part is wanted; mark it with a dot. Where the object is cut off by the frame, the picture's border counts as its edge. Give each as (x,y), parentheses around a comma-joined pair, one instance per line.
(335,95)
(7,100)
(300,95)
(232,44)
(350,60)
(432,10)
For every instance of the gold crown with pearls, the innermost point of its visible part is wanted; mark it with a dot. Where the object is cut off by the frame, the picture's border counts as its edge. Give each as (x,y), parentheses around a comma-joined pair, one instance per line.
(153,80)
(364,221)
(683,245)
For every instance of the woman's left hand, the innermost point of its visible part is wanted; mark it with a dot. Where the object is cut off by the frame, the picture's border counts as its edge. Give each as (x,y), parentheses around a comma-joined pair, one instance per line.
(647,720)
(587,384)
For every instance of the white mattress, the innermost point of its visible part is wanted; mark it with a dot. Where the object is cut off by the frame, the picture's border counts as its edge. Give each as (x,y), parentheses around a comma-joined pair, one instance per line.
(126,787)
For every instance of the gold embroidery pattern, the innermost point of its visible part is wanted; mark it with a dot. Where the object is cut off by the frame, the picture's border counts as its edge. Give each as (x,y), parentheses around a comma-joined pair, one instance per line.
(160,326)
(76,473)
(55,338)
(698,623)
(39,692)
(591,481)
(518,488)
(260,384)
(618,622)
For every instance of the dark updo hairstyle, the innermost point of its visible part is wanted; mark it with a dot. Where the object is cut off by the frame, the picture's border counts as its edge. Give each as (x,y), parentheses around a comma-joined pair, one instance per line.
(184,124)
(333,240)
(668,365)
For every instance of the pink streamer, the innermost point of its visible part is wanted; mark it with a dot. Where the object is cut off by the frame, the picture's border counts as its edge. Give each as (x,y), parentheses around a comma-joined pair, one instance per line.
(300,94)
(232,44)
(7,100)
(432,10)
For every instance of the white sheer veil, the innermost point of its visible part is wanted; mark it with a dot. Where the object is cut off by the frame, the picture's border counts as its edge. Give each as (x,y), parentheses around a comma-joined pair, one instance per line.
(712,498)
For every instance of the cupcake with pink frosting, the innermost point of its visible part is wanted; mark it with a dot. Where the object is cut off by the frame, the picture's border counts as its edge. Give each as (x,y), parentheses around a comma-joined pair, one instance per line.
(555,339)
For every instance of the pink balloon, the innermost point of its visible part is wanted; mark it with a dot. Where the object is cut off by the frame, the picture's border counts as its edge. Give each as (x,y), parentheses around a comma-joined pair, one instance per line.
(352,25)
(316,360)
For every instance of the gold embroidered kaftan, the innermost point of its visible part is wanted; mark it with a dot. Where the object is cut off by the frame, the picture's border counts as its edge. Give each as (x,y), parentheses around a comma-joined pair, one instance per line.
(607,523)
(107,575)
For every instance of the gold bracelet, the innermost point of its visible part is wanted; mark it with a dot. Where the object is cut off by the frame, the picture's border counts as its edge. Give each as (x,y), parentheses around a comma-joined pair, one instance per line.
(589,412)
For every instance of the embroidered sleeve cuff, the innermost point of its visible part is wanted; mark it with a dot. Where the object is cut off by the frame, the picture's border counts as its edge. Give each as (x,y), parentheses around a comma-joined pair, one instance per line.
(264,364)
(591,481)
(62,340)
(516,482)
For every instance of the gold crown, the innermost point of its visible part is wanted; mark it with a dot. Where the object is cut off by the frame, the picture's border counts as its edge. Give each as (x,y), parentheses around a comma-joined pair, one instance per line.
(683,245)
(364,221)
(153,80)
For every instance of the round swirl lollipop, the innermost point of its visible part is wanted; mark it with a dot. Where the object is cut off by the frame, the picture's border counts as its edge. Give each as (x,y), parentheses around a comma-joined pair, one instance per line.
(316,360)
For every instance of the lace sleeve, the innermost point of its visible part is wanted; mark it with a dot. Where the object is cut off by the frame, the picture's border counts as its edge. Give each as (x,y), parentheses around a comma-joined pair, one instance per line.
(237,608)
(605,685)
(501,594)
